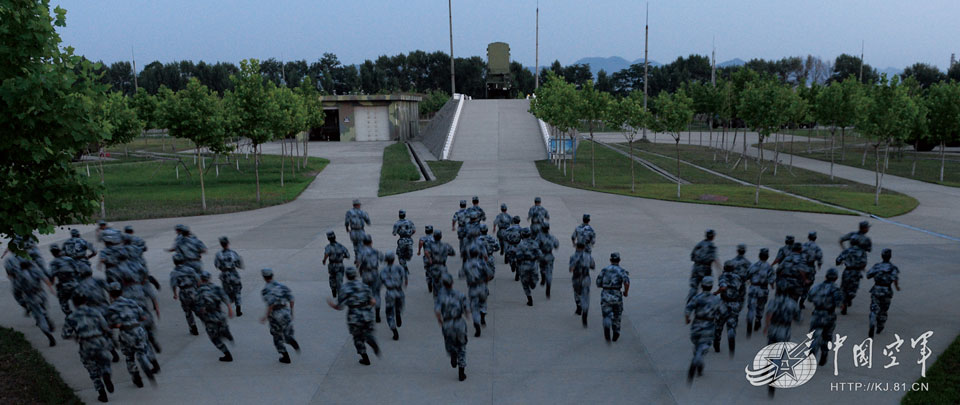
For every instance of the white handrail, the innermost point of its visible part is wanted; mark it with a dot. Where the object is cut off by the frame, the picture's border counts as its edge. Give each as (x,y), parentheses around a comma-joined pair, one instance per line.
(546,136)
(453,128)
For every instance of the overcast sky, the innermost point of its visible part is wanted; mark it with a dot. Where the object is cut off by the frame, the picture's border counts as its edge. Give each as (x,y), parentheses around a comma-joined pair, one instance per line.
(897,34)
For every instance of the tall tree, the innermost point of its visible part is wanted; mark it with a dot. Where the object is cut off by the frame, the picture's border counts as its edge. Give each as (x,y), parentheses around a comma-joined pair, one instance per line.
(764,106)
(146,106)
(888,114)
(314,116)
(593,108)
(943,106)
(925,74)
(252,109)
(673,112)
(629,115)
(846,65)
(120,125)
(195,113)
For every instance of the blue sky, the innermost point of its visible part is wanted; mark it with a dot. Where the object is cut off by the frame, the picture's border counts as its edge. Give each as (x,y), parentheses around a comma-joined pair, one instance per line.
(897,34)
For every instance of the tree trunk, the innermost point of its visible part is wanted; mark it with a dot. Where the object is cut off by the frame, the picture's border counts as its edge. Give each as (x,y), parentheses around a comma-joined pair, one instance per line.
(943,148)
(710,141)
(203,191)
(216,164)
(863,160)
(745,160)
(256,170)
(726,158)
(593,166)
(678,165)
(573,159)
(776,152)
(103,206)
(633,179)
(833,140)
(756,196)
(843,150)
(876,150)
(283,143)
(916,152)
(293,166)
(297,145)
(306,156)
(791,151)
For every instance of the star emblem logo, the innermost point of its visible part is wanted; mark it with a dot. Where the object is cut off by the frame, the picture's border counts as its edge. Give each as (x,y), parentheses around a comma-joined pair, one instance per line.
(784,364)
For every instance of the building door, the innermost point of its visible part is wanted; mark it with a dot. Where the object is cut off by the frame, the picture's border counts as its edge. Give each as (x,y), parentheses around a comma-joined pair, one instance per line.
(330,131)
(372,123)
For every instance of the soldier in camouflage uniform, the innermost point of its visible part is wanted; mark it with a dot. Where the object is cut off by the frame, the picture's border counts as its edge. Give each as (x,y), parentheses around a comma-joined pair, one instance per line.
(147,298)
(76,247)
(451,309)
(394,278)
(358,297)
(28,280)
(854,260)
(611,280)
(706,308)
(581,263)
(781,313)
(477,278)
(368,261)
(741,266)
(814,258)
(537,214)
(228,261)
(210,301)
(425,241)
(87,325)
(436,256)
(404,228)
(459,223)
(703,256)
(113,257)
(500,225)
(475,208)
(490,245)
(761,277)
(784,250)
(94,293)
(547,244)
(184,281)
(276,296)
(63,271)
(137,245)
(792,273)
(512,237)
(354,221)
(884,275)
(825,297)
(335,252)
(860,236)
(127,316)
(731,293)
(528,258)
(585,233)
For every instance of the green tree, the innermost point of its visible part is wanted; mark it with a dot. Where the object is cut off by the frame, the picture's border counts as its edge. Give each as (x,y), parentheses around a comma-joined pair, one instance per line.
(889,114)
(925,74)
(313,110)
(593,107)
(146,106)
(846,65)
(628,115)
(196,113)
(252,110)
(673,112)
(943,107)
(765,107)
(120,125)
(290,121)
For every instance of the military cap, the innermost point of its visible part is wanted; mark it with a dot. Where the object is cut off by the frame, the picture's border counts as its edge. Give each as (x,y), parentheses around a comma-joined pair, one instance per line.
(615,257)
(864,224)
(367,238)
(790,239)
(331,235)
(224,239)
(525,232)
(536,199)
(797,246)
(403,213)
(764,251)
(711,233)
(545,226)
(476,199)
(447,279)
(267,272)
(204,275)
(128,229)
(812,235)
(350,272)
(463,203)
(54,248)
(516,219)
(741,246)
(180,228)
(114,286)
(356,201)
(390,256)
(586,217)
(75,233)
(177,258)
(428,229)
(832,273)
(101,222)
(483,228)
(886,253)
(707,282)
(503,207)
(437,234)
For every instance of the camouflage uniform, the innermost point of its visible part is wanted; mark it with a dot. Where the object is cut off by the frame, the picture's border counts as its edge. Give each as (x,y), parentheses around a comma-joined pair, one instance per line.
(513,238)
(502,222)
(854,260)
(702,256)
(731,295)
(477,276)
(537,214)
(547,244)
(460,218)
(706,309)
(90,329)
(405,229)
(452,305)
(210,301)
(126,315)
(356,296)
(437,253)
(528,256)
(825,297)
(27,278)
(393,277)
(581,263)
(586,234)
(355,220)
(862,240)
(191,249)
(64,270)
(790,275)
(185,279)
(761,277)
(278,297)
(427,240)
(813,256)
(741,266)
(228,262)
(611,280)
(369,266)
(781,312)
(884,275)
(335,252)
(490,245)
(145,296)
(475,208)
(76,247)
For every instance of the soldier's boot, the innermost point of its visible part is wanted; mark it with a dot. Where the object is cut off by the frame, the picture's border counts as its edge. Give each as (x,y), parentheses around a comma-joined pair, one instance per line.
(749,328)
(364,359)
(616,336)
(463,375)
(477,327)
(879,327)
(802,299)
(453,361)
(227,357)
(771,391)
(579,310)
(483,319)
(137,380)
(52,341)
(584,319)
(194,331)
(870,333)
(240,313)
(429,289)
(103,395)
(396,335)
(116,357)
(107,382)
(843,309)
(285,359)
(690,372)
(716,345)
(548,291)
(156,366)
(732,345)
(516,277)
(823,358)
(756,325)
(529,301)
(399,319)
(606,333)
(149,373)
(700,370)
(543,279)
(378,315)
(293,343)
(153,342)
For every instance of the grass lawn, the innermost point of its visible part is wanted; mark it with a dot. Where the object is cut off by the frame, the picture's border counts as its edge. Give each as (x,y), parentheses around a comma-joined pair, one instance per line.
(166,144)
(943,380)
(26,378)
(399,175)
(613,176)
(841,192)
(901,164)
(151,189)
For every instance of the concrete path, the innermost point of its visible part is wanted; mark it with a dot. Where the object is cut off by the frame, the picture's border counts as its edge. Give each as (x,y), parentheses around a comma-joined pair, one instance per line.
(526,355)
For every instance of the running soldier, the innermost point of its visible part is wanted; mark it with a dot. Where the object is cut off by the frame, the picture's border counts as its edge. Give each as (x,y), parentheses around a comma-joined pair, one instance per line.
(854,260)
(354,221)
(704,257)
(884,275)
(528,257)
(547,244)
(28,280)
(335,253)
(784,250)
(368,260)
(477,278)
(825,297)
(500,225)
(358,298)
(87,325)
(490,245)
(475,208)
(814,258)
(436,257)
(394,279)
(860,236)
(459,223)
(228,261)
(210,301)
(276,296)
(451,309)
(189,247)
(537,214)
(706,308)
(127,316)
(76,247)
(184,281)
(63,271)
(512,237)
(761,277)
(611,280)
(584,232)
(425,241)
(580,265)
(731,293)
(404,228)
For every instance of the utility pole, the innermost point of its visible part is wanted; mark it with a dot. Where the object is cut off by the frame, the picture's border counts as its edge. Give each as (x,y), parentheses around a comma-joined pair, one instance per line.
(713,79)
(453,76)
(646,63)
(134,58)
(536,58)
(861,61)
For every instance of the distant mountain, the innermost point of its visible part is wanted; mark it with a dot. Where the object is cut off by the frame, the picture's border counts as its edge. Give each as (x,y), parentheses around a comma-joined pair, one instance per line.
(890,71)
(731,62)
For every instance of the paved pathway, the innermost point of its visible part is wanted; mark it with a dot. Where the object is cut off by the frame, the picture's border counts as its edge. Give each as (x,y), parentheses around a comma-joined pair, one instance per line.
(526,355)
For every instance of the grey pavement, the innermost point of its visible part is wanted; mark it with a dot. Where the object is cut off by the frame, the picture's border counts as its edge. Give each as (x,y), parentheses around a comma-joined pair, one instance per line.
(526,355)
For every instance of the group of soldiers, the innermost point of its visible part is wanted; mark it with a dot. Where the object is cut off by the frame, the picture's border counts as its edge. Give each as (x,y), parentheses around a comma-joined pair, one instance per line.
(793,281)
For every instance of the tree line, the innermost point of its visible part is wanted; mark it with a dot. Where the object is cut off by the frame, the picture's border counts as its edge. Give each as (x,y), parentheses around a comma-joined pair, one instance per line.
(889,113)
